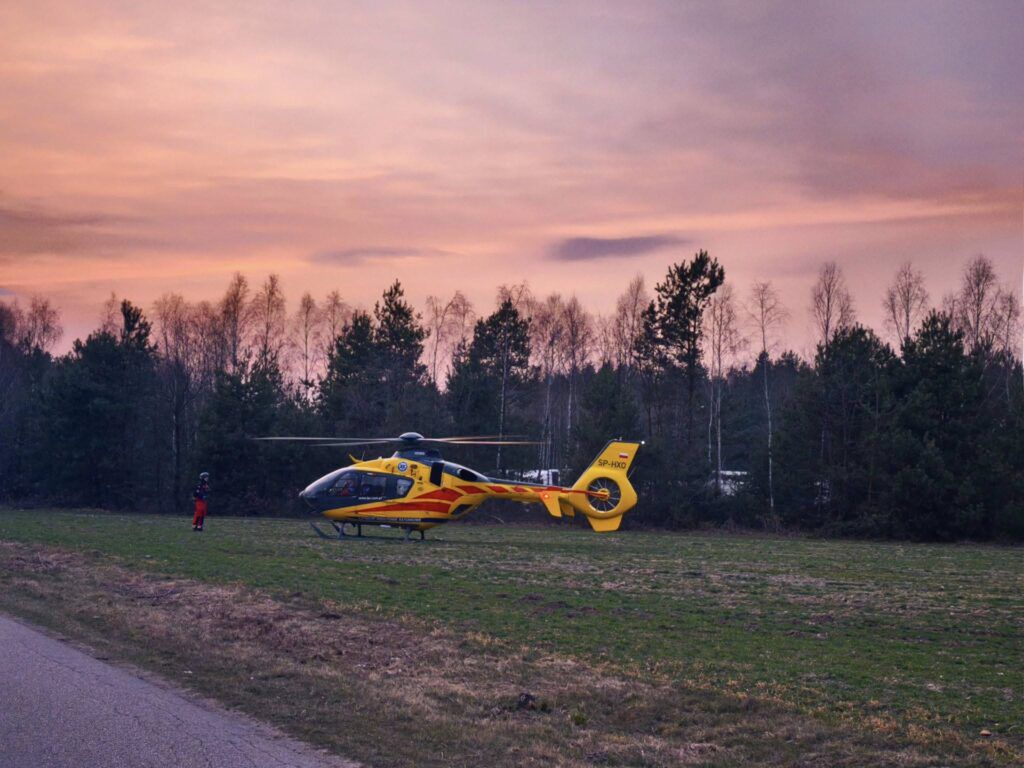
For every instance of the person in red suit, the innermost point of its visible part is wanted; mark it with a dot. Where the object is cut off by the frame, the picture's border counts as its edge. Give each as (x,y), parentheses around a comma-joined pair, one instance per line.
(199,495)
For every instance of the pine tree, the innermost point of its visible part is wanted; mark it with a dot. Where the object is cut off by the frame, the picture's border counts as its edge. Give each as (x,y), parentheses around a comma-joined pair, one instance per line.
(247,477)
(674,322)
(398,338)
(492,375)
(100,409)
(943,435)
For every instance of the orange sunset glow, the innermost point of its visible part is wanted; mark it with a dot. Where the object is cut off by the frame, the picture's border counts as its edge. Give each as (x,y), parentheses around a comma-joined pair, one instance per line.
(151,147)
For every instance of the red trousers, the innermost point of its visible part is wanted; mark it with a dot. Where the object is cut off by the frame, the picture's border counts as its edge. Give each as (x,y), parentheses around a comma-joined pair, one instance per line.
(197,519)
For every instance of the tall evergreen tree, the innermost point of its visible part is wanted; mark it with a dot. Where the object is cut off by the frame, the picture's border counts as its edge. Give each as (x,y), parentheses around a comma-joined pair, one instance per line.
(247,477)
(491,377)
(375,382)
(351,394)
(675,320)
(843,485)
(857,370)
(943,437)
(100,410)
(608,411)
(398,337)
(25,370)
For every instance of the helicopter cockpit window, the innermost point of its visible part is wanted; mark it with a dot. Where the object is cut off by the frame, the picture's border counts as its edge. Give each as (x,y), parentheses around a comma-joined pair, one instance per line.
(373,486)
(346,485)
(367,486)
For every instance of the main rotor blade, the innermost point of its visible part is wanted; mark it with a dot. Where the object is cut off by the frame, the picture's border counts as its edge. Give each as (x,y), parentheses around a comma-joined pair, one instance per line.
(351,444)
(353,441)
(333,440)
(470,438)
(494,442)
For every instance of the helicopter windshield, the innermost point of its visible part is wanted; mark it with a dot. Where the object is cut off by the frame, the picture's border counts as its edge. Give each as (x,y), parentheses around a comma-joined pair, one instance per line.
(346,484)
(322,485)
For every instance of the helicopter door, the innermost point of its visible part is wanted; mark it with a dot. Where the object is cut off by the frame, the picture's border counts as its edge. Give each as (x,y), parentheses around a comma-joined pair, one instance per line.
(372,487)
(399,487)
(436,470)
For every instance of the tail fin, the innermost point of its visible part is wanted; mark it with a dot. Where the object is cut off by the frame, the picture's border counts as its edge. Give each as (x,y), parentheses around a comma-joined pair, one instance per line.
(603,492)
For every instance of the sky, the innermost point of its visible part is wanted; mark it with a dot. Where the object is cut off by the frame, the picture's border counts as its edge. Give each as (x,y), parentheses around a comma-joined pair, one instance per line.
(148,147)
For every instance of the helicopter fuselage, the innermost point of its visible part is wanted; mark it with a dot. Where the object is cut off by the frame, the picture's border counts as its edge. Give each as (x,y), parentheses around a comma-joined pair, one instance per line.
(417,490)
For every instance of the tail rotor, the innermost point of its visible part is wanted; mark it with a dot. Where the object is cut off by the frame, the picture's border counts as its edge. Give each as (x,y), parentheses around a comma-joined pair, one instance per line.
(603,493)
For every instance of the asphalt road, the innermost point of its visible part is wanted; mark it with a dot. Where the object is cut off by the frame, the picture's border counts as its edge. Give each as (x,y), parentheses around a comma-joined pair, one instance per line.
(61,708)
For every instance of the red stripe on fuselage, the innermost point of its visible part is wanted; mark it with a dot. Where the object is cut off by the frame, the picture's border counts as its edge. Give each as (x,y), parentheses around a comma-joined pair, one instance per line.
(469,489)
(409,506)
(446,494)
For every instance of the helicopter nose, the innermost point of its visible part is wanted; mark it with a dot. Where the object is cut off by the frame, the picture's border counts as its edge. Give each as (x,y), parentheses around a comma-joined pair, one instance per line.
(307,496)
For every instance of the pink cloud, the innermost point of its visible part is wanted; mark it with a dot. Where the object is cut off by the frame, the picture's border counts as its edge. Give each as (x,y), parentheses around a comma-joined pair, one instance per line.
(151,146)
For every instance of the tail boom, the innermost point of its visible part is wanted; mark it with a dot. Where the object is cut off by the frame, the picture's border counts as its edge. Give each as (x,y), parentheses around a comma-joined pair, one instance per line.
(602,494)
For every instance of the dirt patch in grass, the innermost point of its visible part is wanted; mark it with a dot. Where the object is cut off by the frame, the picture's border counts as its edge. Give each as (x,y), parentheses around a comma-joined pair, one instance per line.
(395,692)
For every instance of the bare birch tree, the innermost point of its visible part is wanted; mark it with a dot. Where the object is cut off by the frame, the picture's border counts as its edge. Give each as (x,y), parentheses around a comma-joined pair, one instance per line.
(1006,324)
(975,306)
(235,322)
(831,303)
(306,329)
(436,321)
(1006,335)
(449,323)
(177,337)
(210,345)
(628,323)
(577,345)
(832,310)
(519,295)
(766,313)
(270,318)
(905,303)
(604,340)
(335,314)
(110,315)
(546,346)
(724,341)
(40,326)
(37,328)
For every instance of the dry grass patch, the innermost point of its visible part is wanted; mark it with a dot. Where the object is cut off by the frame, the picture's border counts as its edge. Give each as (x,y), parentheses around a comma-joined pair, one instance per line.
(396,692)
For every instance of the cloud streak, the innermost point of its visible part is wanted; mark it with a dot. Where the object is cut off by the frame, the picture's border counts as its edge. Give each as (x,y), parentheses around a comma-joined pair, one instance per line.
(591,248)
(27,231)
(358,255)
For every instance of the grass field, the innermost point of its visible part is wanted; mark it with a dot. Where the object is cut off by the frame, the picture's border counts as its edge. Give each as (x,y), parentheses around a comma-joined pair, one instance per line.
(635,648)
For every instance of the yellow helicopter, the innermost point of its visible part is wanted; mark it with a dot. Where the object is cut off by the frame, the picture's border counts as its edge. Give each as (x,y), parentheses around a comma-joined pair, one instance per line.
(416,489)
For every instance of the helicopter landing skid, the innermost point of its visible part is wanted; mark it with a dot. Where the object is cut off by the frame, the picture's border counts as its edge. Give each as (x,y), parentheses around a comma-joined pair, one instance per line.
(408,534)
(340,532)
(339,529)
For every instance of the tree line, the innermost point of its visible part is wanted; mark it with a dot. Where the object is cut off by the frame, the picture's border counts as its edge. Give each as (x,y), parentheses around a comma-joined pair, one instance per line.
(915,432)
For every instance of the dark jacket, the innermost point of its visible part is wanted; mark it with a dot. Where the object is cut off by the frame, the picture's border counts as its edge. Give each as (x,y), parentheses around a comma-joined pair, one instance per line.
(202,491)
